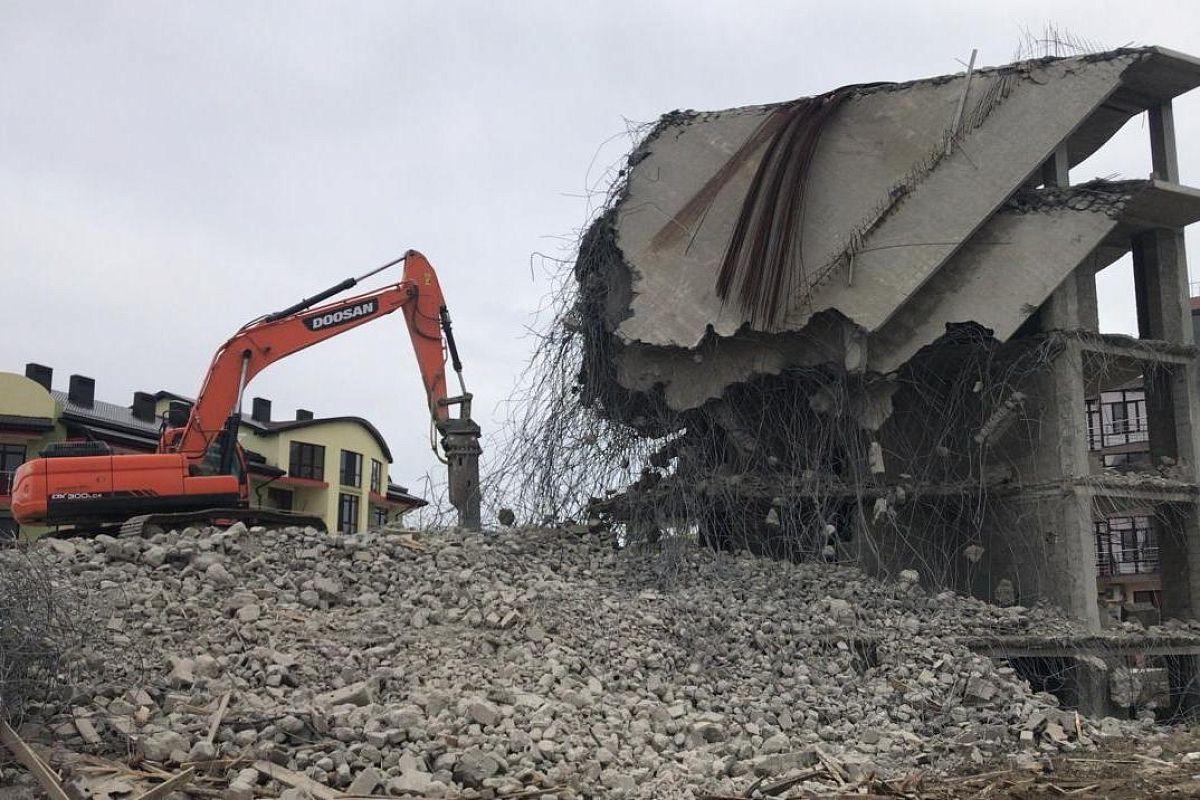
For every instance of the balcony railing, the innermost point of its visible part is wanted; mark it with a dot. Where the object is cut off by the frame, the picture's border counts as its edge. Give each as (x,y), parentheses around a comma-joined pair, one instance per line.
(1118,432)
(1128,561)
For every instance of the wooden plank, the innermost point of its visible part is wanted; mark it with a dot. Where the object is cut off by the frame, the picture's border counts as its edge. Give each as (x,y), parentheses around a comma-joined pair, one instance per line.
(169,785)
(45,777)
(218,715)
(294,779)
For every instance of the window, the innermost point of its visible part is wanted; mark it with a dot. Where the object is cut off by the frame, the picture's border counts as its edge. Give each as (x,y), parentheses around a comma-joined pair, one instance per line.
(279,498)
(348,513)
(11,457)
(378,516)
(307,461)
(1148,596)
(1126,546)
(1117,418)
(376,477)
(351,468)
(1120,417)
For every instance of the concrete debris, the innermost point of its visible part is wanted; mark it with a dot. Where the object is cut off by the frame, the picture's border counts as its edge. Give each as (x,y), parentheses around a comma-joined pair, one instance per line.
(624,673)
(1108,197)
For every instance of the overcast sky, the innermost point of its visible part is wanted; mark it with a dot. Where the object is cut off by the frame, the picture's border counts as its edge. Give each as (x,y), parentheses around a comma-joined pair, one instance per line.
(169,171)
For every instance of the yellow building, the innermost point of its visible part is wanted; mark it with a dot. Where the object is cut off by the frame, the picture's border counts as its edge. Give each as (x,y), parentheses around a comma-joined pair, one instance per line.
(335,468)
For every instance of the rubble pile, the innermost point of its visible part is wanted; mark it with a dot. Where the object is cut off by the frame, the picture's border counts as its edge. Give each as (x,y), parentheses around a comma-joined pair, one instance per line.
(532,662)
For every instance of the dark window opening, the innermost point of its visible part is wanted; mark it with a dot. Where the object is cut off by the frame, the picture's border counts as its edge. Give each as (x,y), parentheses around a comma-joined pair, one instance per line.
(379,516)
(376,476)
(348,513)
(351,473)
(307,461)
(279,498)
(1148,596)
(11,457)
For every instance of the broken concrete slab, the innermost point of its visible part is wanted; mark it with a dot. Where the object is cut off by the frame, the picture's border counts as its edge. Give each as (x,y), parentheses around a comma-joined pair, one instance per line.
(997,280)
(879,137)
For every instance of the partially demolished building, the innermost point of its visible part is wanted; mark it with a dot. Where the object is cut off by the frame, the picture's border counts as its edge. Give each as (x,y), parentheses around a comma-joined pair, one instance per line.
(864,325)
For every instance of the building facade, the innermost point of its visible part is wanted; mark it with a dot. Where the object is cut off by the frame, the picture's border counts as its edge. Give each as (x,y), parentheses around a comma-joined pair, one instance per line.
(1128,570)
(335,468)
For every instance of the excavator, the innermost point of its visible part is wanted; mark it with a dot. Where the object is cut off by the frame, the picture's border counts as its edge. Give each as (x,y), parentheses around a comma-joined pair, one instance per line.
(198,474)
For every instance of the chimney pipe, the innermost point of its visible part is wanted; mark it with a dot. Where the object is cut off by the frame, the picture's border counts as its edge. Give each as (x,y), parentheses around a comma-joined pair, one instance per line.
(82,391)
(40,374)
(260,410)
(143,406)
(303,414)
(178,413)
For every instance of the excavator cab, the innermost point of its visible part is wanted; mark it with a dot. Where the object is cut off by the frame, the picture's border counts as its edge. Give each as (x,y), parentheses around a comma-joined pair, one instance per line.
(214,461)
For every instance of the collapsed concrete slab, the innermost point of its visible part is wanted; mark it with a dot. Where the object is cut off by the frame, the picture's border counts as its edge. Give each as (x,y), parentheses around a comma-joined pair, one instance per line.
(902,178)
(1021,255)
(863,326)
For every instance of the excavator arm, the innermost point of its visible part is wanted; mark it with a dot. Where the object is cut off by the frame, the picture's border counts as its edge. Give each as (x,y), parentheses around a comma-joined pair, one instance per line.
(278,335)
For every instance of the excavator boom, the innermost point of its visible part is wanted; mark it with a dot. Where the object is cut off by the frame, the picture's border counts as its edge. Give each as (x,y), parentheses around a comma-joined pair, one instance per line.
(275,336)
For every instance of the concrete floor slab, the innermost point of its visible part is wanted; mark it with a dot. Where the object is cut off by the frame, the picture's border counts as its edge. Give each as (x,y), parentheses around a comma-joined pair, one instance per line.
(871,145)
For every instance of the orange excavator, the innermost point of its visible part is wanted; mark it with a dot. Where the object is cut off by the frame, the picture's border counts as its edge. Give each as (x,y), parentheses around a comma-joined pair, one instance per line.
(198,473)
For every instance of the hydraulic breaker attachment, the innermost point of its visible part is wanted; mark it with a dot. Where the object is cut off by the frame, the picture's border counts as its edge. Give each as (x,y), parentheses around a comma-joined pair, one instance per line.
(460,443)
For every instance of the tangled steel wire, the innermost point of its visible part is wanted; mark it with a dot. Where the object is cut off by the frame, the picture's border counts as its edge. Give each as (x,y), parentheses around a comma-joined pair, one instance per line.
(39,630)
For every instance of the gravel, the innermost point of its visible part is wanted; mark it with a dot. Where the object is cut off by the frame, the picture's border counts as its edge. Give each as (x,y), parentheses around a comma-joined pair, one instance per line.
(452,664)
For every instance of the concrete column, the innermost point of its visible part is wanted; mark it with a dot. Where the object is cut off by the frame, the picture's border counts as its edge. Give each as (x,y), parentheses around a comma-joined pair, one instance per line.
(1164,312)
(1172,391)
(1075,552)
(1056,170)
(1061,310)
(1163,155)
(1070,412)
(1089,308)
(1072,549)
(1072,307)
(1179,554)
(1160,277)
(1090,676)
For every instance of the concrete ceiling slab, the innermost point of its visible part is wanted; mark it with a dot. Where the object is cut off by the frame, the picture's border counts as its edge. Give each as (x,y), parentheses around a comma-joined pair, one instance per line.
(1002,275)
(876,141)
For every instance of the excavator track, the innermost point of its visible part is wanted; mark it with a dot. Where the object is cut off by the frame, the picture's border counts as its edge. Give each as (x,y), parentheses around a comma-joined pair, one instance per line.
(136,526)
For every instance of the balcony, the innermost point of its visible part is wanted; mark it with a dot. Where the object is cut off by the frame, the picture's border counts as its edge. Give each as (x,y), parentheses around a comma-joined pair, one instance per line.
(1128,561)
(1118,432)
(1126,546)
